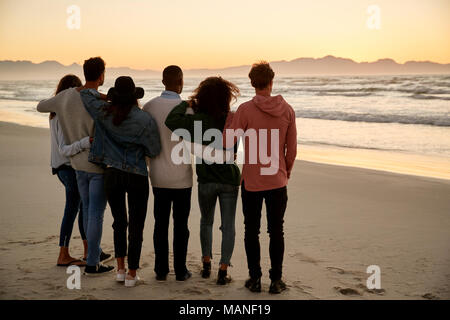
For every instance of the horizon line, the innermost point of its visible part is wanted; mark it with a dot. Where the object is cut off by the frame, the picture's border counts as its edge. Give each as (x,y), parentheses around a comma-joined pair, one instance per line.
(237,66)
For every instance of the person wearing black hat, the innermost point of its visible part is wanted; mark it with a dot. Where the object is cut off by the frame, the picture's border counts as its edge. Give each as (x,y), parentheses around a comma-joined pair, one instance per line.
(124,136)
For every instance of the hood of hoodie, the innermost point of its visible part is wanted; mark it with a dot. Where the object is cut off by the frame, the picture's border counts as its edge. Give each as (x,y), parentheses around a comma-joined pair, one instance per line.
(274,106)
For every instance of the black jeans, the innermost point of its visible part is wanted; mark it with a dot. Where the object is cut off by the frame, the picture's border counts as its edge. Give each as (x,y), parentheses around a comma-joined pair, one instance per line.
(117,184)
(181,199)
(276,201)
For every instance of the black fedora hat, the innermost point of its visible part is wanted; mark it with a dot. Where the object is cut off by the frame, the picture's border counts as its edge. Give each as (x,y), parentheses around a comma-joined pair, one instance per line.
(124,91)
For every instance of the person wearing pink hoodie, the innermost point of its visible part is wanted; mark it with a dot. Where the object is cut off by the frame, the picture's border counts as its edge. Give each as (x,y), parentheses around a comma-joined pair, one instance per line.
(267,127)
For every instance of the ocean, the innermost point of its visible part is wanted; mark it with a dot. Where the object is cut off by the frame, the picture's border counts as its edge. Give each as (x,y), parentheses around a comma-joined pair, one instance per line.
(402,114)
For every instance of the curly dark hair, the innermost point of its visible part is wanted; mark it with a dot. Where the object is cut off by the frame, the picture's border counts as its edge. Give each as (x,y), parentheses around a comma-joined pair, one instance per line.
(213,96)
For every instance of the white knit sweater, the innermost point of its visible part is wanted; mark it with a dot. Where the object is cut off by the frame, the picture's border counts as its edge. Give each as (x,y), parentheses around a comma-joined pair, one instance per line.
(163,172)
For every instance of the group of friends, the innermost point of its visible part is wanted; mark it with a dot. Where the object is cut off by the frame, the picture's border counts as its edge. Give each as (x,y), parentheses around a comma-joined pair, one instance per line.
(105,148)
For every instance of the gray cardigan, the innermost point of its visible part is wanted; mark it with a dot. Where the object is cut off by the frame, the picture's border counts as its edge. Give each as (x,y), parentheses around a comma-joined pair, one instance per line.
(76,124)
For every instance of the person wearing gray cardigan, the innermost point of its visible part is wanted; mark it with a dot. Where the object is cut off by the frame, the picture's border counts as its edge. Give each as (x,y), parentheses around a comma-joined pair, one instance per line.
(76,123)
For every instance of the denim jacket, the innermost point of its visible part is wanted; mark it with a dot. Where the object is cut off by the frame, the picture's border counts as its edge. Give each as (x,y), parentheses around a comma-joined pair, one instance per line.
(123,147)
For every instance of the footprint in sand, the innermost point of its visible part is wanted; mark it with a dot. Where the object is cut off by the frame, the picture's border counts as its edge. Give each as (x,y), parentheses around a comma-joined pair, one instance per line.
(24,270)
(357,274)
(304,258)
(32,242)
(347,291)
(195,290)
(298,286)
(430,296)
(372,291)
(337,270)
(86,297)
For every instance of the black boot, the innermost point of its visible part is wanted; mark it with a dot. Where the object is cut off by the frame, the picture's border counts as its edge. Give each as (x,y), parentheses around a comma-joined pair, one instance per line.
(277,286)
(223,278)
(206,271)
(184,276)
(254,285)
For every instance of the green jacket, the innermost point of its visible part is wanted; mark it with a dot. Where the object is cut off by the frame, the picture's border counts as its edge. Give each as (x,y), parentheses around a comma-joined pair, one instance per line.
(218,173)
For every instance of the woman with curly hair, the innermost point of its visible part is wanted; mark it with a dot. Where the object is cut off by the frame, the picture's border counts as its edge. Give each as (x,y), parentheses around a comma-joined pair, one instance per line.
(211,105)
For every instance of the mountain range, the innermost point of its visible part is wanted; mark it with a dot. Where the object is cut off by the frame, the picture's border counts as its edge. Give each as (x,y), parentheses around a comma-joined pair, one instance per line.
(328,65)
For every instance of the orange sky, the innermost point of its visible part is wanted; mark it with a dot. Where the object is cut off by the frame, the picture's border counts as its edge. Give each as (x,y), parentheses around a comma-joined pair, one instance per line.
(204,33)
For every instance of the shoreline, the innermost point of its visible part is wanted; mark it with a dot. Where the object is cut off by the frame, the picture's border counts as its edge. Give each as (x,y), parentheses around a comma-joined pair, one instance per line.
(398,162)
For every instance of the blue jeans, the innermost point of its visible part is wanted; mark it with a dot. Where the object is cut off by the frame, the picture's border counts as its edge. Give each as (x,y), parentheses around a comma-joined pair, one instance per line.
(68,178)
(207,197)
(93,199)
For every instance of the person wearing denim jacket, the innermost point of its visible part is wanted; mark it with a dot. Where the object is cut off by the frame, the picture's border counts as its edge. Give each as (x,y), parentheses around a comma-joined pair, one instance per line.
(124,136)
(122,147)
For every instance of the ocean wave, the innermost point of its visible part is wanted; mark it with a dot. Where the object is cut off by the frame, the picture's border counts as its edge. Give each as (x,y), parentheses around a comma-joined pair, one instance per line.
(343,145)
(356,94)
(33,99)
(418,90)
(374,118)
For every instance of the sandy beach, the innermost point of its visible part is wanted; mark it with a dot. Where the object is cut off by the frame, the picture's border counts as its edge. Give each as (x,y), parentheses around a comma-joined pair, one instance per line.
(339,221)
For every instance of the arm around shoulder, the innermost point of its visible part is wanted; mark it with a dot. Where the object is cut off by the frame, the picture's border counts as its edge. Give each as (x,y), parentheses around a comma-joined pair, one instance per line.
(49,105)
(235,125)
(74,148)
(93,102)
(151,139)
(177,118)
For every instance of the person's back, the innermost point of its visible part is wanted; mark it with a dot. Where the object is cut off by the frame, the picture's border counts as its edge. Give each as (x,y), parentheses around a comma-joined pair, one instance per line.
(274,118)
(76,123)
(171,183)
(164,173)
(121,145)
(270,149)
(216,180)
(124,136)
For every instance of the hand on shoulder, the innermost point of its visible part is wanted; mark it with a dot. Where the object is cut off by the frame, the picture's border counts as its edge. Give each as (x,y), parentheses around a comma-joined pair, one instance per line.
(229,119)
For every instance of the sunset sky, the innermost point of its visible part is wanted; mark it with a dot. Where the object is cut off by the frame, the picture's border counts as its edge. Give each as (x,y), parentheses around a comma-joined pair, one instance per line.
(206,33)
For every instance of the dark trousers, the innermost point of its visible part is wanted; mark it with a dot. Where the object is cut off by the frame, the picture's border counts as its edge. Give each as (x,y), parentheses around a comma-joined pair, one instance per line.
(181,200)
(276,201)
(68,178)
(118,184)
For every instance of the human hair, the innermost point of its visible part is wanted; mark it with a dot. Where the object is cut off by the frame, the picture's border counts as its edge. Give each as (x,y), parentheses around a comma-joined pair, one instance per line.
(93,68)
(66,82)
(213,97)
(172,76)
(261,75)
(120,109)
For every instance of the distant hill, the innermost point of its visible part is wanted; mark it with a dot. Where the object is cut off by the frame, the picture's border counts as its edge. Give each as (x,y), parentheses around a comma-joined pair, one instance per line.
(328,65)
(27,70)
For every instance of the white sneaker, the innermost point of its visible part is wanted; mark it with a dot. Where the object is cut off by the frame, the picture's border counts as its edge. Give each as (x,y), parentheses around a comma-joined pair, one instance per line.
(121,275)
(131,282)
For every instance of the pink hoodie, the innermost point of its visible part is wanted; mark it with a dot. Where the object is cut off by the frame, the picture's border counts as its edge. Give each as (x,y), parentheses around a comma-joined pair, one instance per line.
(265,113)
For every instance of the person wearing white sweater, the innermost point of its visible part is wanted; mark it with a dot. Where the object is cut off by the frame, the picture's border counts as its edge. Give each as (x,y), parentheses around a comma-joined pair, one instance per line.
(60,164)
(171,183)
